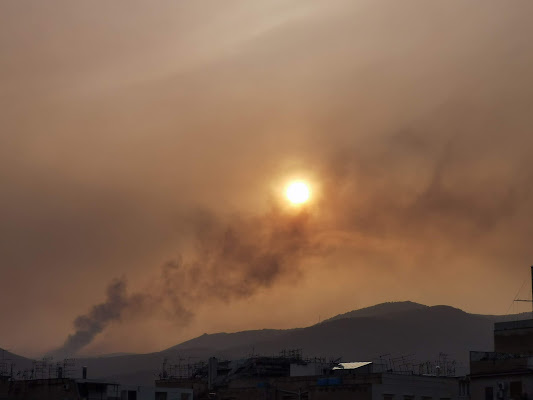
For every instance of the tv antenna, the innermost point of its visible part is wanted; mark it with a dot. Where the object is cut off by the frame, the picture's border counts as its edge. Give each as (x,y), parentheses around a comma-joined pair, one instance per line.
(528,301)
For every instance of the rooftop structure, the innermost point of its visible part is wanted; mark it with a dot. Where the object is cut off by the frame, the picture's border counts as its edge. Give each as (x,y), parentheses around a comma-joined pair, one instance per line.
(514,337)
(282,377)
(59,389)
(506,372)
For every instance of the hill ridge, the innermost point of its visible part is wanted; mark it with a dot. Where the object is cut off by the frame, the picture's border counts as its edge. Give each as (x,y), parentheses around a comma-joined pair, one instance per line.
(393,327)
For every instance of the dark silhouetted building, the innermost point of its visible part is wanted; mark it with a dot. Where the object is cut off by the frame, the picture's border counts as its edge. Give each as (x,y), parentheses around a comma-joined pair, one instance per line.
(507,372)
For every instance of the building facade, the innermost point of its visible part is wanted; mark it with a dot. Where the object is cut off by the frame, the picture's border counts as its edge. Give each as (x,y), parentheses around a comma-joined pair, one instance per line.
(507,372)
(282,379)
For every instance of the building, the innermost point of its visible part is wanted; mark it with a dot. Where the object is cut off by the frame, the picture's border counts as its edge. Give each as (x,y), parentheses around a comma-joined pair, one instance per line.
(59,389)
(310,368)
(62,388)
(515,337)
(153,393)
(506,372)
(501,376)
(277,378)
(366,386)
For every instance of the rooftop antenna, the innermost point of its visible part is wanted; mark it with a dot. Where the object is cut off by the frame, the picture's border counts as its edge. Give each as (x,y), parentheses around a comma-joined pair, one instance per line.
(529,301)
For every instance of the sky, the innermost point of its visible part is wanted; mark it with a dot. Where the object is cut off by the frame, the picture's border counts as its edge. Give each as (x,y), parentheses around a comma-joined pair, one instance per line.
(145,147)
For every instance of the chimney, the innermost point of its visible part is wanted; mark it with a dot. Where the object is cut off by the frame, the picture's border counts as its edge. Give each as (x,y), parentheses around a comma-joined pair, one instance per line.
(84,373)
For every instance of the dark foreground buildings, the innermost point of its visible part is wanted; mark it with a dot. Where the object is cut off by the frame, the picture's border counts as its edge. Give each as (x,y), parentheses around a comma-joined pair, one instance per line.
(283,378)
(60,388)
(507,372)
(503,374)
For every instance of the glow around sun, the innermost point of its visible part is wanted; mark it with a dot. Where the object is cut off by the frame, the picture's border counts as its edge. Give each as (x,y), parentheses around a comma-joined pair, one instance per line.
(298,192)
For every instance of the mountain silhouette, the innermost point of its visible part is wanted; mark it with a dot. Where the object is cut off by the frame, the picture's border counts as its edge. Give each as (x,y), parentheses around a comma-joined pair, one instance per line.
(385,331)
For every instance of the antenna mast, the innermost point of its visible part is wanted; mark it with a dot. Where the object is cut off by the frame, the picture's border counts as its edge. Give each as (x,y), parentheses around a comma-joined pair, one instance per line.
(529,301)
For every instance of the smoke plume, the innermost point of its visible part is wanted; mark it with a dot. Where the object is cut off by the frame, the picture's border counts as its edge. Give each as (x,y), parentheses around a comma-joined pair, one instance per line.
(416,140)
(228,261)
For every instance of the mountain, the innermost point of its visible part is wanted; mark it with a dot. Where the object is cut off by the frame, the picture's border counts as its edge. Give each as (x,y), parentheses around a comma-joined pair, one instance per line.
(380,309)
(390,330)
(228,340)
(7,359)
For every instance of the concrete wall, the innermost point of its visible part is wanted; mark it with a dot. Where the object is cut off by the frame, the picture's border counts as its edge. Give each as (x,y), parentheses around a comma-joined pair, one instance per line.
(416,387)
(309,369)
(198,386)
(361,387)
(45,389)
(514,337)
(498,363)
(310,387)
(501,386)
(344,392)
(59,389)
(155,393)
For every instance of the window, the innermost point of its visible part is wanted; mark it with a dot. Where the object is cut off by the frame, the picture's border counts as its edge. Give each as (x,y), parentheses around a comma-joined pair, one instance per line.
(160,395)
(464,388)
(489,393)
(515,389)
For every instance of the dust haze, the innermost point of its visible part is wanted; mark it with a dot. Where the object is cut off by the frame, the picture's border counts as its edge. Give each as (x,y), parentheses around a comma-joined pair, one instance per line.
(143,155)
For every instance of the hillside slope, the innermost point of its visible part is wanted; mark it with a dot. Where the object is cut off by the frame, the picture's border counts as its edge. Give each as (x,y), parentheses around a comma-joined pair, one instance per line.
(398,329)
(380,309)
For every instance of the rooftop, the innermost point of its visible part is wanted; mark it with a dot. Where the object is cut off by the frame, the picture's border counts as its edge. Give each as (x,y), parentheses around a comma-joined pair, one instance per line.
(510,325)
(351,365)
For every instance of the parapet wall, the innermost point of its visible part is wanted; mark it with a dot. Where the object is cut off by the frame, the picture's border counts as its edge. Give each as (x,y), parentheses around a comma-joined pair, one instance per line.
(514,337)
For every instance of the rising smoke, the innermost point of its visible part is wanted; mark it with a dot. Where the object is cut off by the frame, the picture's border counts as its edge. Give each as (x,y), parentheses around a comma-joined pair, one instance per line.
(419,137)
(235,257)
(230,260)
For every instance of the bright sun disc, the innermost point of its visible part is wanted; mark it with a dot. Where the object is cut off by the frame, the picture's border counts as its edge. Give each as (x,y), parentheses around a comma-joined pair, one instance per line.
(298,192)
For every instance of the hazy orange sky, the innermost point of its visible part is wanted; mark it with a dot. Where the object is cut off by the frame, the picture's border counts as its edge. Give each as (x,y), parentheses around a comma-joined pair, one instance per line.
(138,134)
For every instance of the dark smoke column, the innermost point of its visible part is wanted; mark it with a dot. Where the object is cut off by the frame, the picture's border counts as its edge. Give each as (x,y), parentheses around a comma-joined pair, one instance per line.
(95,321)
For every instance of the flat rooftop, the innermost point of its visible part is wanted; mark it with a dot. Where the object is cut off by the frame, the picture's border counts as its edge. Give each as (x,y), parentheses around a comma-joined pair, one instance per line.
(510,325)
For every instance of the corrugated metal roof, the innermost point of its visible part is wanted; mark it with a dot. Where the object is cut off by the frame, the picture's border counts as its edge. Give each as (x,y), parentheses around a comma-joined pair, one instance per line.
(352,365)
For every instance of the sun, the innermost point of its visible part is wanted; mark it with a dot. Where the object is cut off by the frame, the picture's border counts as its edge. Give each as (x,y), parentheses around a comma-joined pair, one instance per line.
(298,192)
